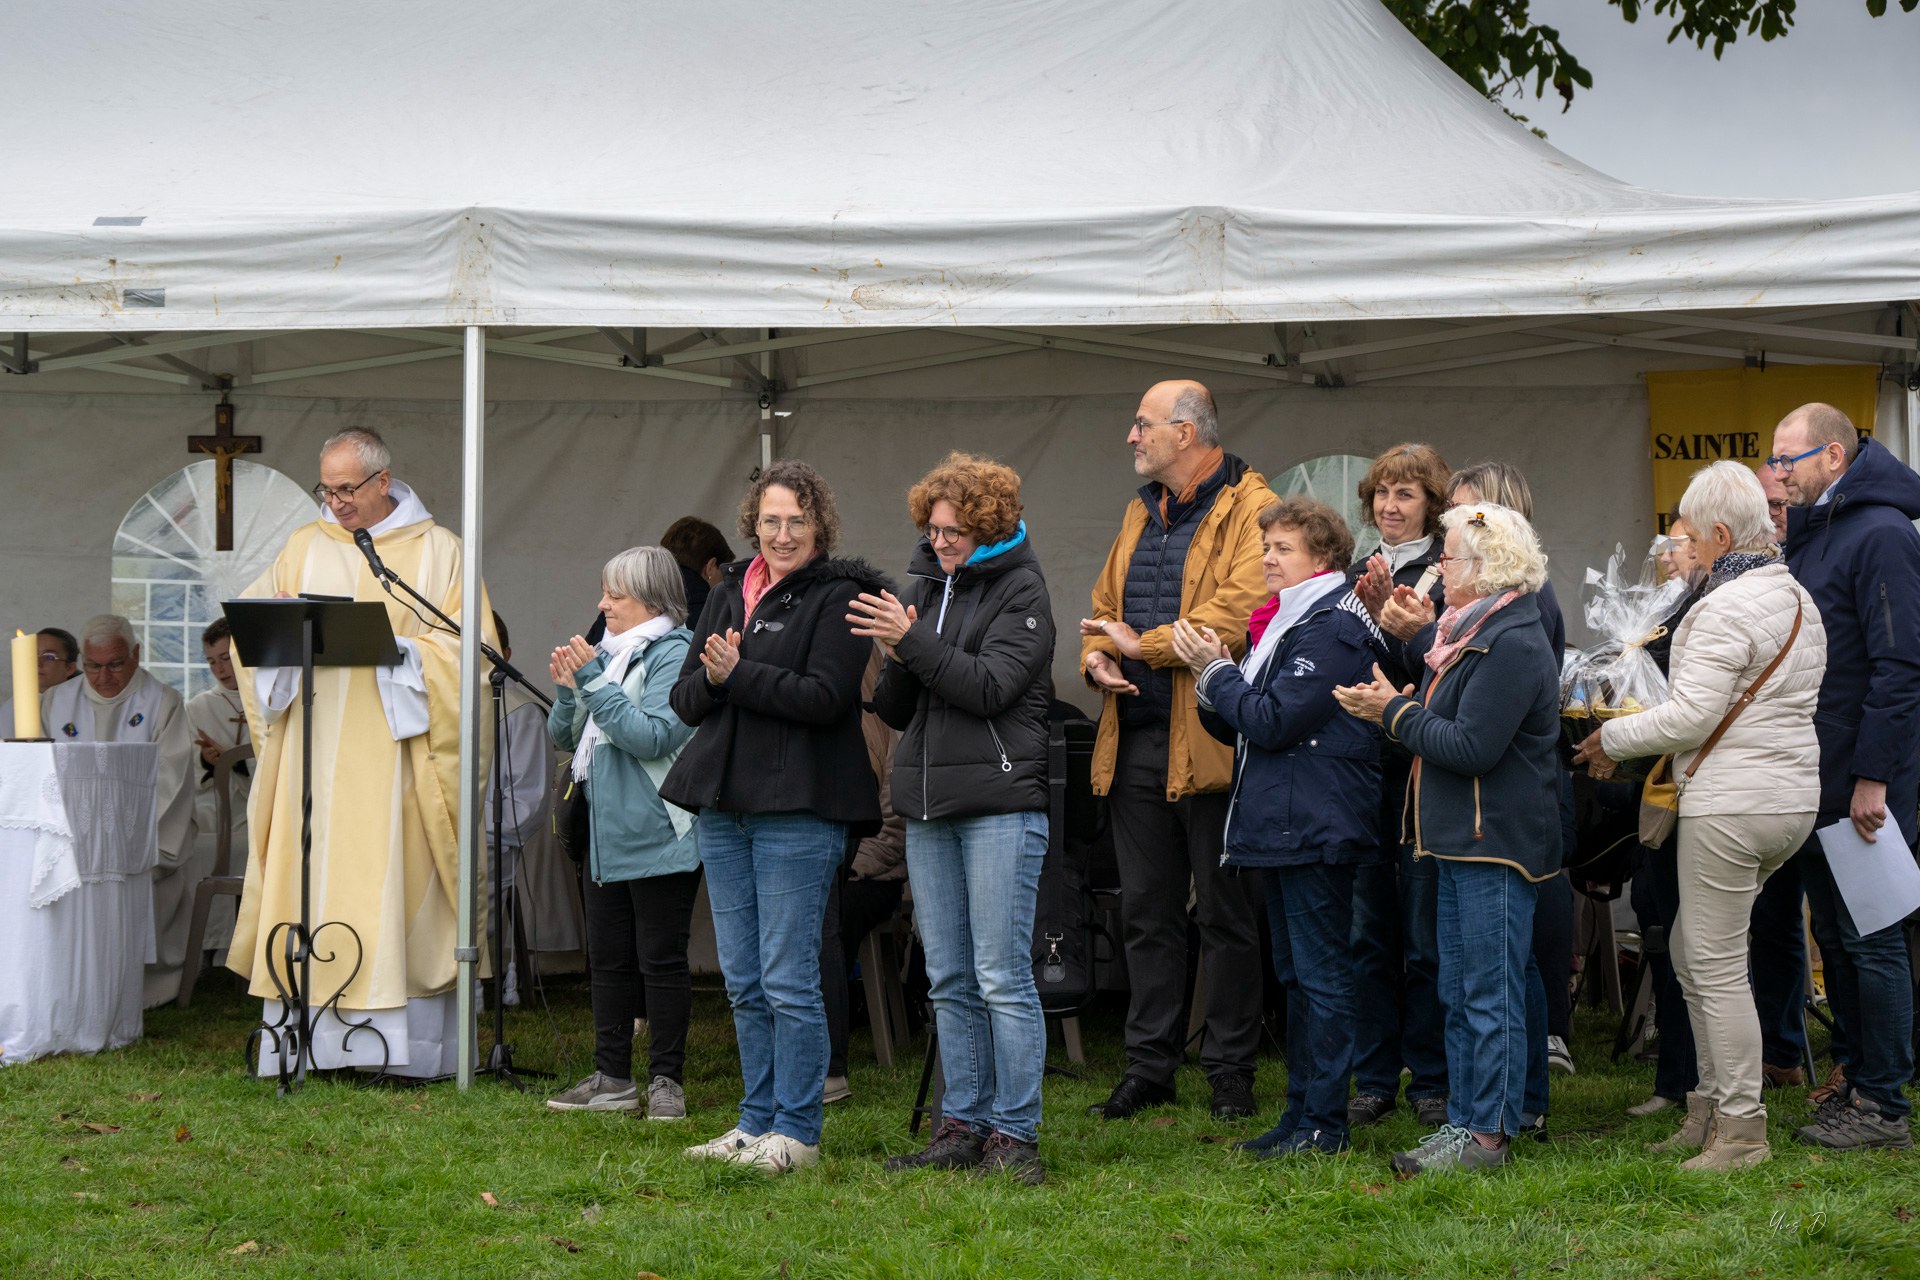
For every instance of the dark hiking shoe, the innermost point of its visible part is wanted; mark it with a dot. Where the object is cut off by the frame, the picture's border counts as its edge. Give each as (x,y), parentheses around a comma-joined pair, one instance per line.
(1858,1125)
(1272,1137)
(1368,1109)
(1307,1142)
(1431,1112)
(1133,1093)
(1006,1154)
(1233,1097)
(954,1146)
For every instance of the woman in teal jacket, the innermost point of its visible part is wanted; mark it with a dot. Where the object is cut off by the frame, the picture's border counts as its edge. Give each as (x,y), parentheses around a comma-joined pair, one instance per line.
(643,864)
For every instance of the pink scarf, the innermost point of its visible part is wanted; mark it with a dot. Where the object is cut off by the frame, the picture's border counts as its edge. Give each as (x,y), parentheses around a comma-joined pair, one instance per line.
(1257,624)
(1459,625)
(754,584)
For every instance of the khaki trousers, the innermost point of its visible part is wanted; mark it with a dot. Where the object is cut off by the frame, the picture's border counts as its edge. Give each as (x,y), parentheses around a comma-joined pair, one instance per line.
(1723,861)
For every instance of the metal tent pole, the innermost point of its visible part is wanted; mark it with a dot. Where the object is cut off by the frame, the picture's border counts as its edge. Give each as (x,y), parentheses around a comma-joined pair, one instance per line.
(473,398)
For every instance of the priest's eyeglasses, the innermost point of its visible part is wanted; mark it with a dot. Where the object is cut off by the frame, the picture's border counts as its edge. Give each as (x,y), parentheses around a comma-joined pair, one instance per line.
(117,666)
(321,493)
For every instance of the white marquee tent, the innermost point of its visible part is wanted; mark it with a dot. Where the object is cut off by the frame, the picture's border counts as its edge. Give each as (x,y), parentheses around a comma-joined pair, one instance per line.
(674,227)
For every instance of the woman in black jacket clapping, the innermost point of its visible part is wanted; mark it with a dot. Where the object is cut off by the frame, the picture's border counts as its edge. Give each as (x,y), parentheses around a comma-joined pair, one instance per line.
(777,770)
(966,682)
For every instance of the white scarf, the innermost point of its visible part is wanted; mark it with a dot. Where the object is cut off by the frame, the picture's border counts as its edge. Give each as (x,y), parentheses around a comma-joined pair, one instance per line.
(70,713)
(1398,557)
(1295,603)
(619,651)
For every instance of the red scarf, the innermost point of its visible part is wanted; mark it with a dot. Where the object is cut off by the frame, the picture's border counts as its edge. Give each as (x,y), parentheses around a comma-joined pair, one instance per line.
(754,584)
(1207,463)
(1257,624)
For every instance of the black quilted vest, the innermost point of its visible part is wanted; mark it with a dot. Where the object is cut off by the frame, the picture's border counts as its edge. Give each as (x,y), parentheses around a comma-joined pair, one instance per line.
(1154,576)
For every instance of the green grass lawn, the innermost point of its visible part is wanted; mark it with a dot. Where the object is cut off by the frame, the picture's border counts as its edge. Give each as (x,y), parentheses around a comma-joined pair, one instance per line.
(166,1160)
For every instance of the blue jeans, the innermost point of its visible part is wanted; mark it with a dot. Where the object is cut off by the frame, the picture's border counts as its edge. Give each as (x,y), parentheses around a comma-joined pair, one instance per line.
(1310,913)
(1396,991)
(767,880)
(974,884)
(1869,985)
(1485,916)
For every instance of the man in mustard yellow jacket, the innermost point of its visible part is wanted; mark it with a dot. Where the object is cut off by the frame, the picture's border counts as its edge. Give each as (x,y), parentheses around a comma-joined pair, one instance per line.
(1189,547)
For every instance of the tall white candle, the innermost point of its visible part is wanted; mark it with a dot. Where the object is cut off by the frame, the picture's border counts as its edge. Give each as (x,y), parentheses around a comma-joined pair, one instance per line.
(26,685)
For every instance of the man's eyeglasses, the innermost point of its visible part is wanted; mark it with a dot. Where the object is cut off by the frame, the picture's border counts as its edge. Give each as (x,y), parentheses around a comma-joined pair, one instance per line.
(1141,424)
(937,534)
(1778,504)
(321,493)
(770,526)
(1781,462)
(117,666)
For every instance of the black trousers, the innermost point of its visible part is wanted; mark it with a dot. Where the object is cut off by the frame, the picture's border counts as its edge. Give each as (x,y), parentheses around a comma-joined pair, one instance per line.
(637,944)
(1162,847)
(855,908)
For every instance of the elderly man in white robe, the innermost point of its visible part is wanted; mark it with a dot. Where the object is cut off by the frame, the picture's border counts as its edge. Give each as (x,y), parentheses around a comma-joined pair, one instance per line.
(219,719)
(118,701)
(386,786)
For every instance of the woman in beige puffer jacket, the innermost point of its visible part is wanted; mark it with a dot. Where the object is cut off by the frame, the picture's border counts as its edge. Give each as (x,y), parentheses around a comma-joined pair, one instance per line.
(1751,804)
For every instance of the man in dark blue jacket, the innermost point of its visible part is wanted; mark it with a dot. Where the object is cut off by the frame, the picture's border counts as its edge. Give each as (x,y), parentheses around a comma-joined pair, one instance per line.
(1851,542)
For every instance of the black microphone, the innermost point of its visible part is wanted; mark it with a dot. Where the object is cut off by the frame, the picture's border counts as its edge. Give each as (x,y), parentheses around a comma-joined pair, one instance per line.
(364,540)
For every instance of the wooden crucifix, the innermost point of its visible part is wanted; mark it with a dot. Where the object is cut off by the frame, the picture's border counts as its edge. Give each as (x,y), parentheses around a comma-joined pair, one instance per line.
(223,447)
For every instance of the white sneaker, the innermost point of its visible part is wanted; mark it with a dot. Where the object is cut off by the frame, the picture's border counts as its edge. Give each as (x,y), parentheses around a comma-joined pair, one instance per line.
(776,1153)
(1559,1057)
(724,1147)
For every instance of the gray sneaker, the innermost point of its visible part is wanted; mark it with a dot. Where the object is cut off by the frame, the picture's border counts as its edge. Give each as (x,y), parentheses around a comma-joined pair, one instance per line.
(598,1093)
(1452,1150)
(666,1100)
(1857,1125)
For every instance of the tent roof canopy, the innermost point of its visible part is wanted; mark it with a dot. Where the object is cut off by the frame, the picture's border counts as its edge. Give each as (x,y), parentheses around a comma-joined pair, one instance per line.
(244,164)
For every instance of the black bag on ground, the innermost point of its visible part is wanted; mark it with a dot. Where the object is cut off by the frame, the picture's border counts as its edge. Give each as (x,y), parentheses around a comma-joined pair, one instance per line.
(1064,932)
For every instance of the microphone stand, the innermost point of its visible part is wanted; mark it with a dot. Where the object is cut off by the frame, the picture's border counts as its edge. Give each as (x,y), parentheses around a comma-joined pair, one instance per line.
(500,1063)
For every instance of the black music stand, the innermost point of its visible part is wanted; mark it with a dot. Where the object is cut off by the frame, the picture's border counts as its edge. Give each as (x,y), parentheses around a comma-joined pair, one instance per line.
(307,633)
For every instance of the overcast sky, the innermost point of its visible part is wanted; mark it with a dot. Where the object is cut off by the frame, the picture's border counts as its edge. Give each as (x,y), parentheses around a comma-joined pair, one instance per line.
(1831,110)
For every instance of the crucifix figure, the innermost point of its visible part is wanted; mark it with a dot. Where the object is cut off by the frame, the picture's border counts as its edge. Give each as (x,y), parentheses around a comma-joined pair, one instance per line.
(223,446)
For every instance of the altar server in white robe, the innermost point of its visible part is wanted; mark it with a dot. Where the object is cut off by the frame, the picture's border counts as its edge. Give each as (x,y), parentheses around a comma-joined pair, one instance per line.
(386,785)
(118,701)
(526,807)
(219,719)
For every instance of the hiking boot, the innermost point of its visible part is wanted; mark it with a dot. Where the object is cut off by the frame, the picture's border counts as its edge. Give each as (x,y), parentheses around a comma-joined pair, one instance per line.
(1856,1125)
(724,1147)
(1694,1131)
(1431,1112)
(774,1153)
(1133,1093)
(1782,1077)
(666,1100)
(1233,1097)
(1306,1142)
(1289,1121)
(1835,1085)
(1653,1106)
(953,1146)
(598,1093)
(1452,1150)
(1368,1109)
(838,1090)
(1733,1144)
(1004,1153)
(1559,1057)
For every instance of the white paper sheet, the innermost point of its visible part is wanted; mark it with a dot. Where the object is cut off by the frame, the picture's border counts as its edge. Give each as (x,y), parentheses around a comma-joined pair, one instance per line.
(1879,882)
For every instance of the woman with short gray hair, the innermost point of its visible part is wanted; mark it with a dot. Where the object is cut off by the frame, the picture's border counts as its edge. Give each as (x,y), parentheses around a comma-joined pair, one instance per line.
(1754,643)
(643,862)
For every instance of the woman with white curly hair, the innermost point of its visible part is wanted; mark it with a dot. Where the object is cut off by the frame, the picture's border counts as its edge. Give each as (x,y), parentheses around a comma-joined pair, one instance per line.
(1484,801)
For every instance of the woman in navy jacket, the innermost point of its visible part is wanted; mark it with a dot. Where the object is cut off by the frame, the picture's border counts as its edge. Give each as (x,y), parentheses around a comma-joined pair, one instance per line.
(1305,802)
(1484,800)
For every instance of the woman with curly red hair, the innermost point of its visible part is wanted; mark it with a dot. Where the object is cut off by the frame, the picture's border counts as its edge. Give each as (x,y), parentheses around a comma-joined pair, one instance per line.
(968,652)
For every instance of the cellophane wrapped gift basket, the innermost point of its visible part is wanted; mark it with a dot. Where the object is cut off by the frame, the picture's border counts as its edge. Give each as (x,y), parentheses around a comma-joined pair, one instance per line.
(1627,609)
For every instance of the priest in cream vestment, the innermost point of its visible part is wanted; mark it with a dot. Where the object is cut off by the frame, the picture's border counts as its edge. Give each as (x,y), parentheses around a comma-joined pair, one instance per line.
(116,700)
(386,786)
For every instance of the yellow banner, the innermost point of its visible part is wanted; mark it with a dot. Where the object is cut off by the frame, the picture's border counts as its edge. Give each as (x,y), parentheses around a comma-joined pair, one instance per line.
(1707,415)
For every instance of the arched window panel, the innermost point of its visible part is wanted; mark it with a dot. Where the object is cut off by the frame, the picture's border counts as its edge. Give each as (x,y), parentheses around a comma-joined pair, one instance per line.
(1334,480)
(168,576)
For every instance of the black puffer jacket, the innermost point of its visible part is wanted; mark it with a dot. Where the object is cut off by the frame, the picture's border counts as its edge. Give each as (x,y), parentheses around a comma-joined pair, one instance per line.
(783,735)
(968,687)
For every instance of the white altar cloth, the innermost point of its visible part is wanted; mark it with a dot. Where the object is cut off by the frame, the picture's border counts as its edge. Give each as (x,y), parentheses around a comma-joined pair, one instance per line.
(71,968)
